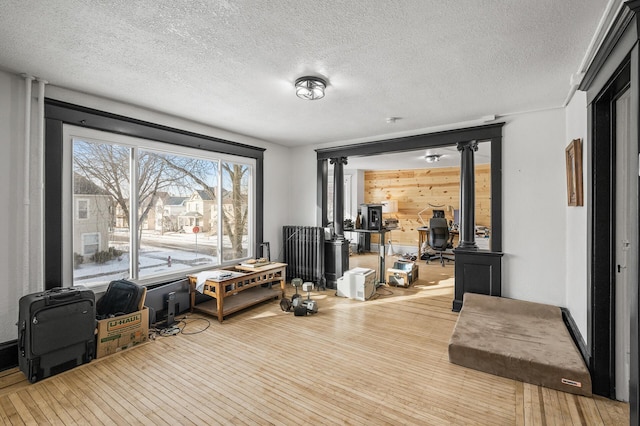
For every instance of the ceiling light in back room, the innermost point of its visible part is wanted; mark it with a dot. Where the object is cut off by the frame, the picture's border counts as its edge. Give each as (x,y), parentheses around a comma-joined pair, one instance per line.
(310,88)
(432,158)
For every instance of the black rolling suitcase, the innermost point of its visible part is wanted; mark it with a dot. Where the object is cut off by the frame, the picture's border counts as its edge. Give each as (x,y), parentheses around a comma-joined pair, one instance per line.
(56,331)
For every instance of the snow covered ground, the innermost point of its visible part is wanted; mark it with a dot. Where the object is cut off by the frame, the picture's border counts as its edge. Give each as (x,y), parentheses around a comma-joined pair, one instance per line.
(158,254)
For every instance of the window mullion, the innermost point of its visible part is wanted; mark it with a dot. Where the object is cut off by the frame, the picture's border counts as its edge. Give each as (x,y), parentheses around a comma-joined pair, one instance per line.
(219,197)
(133,213)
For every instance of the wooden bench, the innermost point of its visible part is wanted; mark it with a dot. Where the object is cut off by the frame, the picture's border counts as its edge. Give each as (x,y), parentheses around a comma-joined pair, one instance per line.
(246,287)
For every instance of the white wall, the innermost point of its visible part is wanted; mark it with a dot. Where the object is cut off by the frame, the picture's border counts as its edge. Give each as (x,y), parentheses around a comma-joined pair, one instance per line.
(277,175)
(576,221)
(11,191)
(534,200)
(303,186)
(534,204)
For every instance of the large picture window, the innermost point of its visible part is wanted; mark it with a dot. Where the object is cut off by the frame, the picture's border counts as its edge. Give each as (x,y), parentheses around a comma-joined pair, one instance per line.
(146,209)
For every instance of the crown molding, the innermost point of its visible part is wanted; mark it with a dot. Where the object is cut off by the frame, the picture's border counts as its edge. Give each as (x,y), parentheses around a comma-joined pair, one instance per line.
(620,19)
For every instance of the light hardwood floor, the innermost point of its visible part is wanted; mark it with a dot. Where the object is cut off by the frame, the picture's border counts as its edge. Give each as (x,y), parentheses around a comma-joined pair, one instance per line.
(383,361)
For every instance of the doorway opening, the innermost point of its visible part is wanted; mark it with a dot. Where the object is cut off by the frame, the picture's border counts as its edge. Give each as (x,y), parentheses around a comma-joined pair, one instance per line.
(614,236)
(492,134)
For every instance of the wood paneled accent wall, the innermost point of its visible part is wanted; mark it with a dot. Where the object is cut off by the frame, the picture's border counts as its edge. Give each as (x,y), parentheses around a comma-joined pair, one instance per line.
(416,189)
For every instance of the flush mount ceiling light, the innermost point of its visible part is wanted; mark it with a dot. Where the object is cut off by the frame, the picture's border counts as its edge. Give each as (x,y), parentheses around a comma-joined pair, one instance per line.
(310,88)
(432,158)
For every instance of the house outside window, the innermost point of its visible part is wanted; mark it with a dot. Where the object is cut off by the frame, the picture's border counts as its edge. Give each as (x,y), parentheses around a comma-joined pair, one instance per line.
(138,222)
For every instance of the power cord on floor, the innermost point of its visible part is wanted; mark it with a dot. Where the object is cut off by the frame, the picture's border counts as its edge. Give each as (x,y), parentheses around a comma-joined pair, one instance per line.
(169,331)
(178,328)
(386,293)
(163,331)
(182,330)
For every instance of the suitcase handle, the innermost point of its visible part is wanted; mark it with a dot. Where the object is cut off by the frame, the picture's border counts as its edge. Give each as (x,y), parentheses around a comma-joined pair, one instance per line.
(23,329)
(60,294)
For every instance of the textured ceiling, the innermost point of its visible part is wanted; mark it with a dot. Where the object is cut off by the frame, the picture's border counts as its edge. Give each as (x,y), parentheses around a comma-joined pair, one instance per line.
(449,157)
(232,64)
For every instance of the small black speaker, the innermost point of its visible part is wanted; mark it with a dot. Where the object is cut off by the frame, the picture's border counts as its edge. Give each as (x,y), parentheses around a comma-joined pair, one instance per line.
(171,308)
(371,216)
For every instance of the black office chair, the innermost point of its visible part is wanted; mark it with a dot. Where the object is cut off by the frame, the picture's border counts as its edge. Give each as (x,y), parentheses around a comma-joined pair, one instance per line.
(439,237)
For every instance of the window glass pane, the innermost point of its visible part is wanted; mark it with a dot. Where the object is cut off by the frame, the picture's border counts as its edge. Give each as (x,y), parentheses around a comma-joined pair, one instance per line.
(193,209)
(100,225)
(235,211)
(177,212)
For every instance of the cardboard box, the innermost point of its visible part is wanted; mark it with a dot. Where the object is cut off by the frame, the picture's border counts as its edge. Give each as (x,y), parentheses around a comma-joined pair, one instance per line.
(122,332)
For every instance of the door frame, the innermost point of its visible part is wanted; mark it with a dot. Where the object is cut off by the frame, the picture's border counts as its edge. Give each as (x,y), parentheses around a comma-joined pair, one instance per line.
(604,78)
(603,236)
(487,133)
(625,242)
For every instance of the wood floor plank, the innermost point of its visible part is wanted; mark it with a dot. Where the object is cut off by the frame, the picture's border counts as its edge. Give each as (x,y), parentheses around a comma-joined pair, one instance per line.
(266,376)
(553,410)
(60,402)
(589,410)
(519,404)
(89,413)
(159,394)
(49,406)
(382,361)
(4,414)
(120,385)
(127,408)
(569,413)
(612,412)
(24,412)
(175,390)
(11,379)
(9,411)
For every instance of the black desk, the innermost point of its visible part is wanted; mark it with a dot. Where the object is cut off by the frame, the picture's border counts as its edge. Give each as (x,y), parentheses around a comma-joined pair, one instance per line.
(381,247)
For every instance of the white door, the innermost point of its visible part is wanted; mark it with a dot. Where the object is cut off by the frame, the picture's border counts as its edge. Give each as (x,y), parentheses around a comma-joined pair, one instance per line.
(626,231)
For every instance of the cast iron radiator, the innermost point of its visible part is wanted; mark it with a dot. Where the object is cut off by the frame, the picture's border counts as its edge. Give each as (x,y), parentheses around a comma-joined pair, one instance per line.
(304,253)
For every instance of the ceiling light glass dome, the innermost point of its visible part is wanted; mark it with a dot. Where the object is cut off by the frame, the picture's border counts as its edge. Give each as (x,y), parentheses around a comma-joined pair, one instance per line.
(310,88)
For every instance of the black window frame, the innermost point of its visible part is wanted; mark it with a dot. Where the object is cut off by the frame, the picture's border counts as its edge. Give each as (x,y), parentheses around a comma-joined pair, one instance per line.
(58,113)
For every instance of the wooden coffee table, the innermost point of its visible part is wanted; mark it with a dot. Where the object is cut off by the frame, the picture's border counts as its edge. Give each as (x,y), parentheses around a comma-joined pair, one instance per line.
(246,287)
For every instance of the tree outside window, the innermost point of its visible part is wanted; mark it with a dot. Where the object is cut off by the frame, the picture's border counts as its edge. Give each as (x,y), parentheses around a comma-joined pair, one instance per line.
(174,193)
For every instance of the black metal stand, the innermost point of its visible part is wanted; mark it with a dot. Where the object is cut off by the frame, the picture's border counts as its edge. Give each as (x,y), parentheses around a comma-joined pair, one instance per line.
(381,248)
